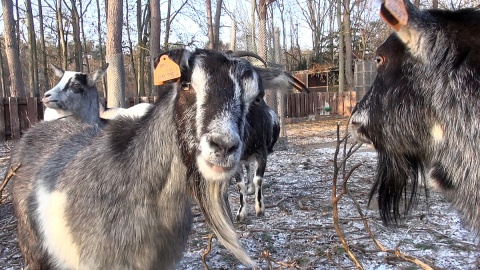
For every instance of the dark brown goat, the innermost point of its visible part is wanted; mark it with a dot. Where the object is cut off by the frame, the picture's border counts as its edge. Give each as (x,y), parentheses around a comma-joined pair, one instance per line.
(422,113)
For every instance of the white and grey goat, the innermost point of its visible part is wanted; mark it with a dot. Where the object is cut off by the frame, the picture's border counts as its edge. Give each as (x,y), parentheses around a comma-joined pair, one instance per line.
(118,197)
(262,130)
(74,97)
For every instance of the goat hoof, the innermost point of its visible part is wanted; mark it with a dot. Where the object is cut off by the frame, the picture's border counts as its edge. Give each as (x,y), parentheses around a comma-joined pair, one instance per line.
(240,218)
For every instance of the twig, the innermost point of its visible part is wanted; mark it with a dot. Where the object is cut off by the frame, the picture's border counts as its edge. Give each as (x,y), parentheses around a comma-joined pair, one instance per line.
(336,198)
(207,251)
(276,204)
(269,259)
(10,174)
(396,251)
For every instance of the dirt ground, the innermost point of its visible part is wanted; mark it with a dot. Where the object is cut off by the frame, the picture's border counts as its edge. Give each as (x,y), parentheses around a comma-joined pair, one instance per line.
(298,232)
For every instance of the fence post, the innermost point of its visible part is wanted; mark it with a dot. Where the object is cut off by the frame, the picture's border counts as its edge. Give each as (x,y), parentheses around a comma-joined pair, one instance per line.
(32,111)
(14,118)
(3,136)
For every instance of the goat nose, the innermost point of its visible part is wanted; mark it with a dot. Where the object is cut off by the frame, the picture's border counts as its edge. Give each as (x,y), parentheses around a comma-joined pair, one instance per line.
(222,145)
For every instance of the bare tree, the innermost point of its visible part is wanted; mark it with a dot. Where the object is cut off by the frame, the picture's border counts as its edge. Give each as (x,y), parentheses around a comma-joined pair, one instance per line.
(32,43)
(44,82)
(100,42)
(76,36)
(216,29)
(62,39)
(4,91)
(141,46)
(347,34)
(155,30)
(341,54)
(82,32)
(17,88)
(262,29)
(168,22)
(211,39)
(116,70)
(130,48)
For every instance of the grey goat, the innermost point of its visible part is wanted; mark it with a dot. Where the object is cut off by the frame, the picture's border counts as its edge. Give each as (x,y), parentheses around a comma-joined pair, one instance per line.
(119,197)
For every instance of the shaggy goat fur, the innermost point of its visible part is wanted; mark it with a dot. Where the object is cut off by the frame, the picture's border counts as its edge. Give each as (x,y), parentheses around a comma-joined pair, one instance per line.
(118,197)
(422,112)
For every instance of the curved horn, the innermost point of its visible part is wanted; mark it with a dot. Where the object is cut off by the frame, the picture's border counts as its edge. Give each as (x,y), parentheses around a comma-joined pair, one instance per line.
(245,54)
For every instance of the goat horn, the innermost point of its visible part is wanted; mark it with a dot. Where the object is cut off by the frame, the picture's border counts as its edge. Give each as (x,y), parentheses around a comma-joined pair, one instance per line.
(245,54)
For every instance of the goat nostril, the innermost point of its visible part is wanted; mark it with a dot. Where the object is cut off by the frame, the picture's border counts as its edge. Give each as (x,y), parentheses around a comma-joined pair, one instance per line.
(214,146)
(47,95)
(232,149)
(222,146)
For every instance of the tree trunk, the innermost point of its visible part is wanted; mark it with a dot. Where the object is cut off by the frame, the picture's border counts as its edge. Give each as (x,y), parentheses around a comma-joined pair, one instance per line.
(252,26)
(216,30)
(167,25)
(341,56)
(315,30)
(434,3)
(130,49)
(141,52)
(155,30)
(44,82)
(17,88)
(76,37)
(100,42)
(348,46)
(262,30)
(61,36)
(116,70)
(33,66)
(82,32)
(233,36)
(211,38)
(281,8)
(146,35)
(4,91)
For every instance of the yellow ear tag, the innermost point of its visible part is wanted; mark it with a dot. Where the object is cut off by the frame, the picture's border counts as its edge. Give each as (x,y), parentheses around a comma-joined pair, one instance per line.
(395,14)
(166,70)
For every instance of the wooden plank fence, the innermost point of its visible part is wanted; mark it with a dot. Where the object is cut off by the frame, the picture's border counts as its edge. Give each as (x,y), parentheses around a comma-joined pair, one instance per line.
(319,103)
(18,114)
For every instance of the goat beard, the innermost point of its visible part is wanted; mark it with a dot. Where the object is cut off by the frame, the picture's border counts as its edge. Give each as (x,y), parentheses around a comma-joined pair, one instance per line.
(212,197)
(397,178)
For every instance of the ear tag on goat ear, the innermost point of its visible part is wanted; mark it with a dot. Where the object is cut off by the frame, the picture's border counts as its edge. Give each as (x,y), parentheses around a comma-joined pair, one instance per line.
(394,12)
(166,70)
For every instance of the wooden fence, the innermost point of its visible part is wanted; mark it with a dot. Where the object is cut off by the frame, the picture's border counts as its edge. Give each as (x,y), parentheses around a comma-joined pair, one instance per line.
(21,113)
(319,103)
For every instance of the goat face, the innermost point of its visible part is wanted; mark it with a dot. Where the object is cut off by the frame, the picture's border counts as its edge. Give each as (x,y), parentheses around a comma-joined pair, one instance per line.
(392,116)
(421,113)
(74,90)
(212,113)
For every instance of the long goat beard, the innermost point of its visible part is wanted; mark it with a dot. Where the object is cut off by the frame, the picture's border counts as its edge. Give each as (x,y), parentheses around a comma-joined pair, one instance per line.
(397,179)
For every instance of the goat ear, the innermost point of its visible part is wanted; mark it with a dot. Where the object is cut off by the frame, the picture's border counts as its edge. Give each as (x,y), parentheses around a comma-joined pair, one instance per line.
(280,80)
(58,71)
(409,22)
(179,56)
(97,75)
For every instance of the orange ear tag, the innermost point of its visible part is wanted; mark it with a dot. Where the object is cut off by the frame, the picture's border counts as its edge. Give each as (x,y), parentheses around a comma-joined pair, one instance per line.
(394,13)
(166,70)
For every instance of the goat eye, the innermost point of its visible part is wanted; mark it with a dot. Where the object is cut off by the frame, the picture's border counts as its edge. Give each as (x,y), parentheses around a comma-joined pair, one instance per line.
(76,87)
(257,100)
(380,60)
